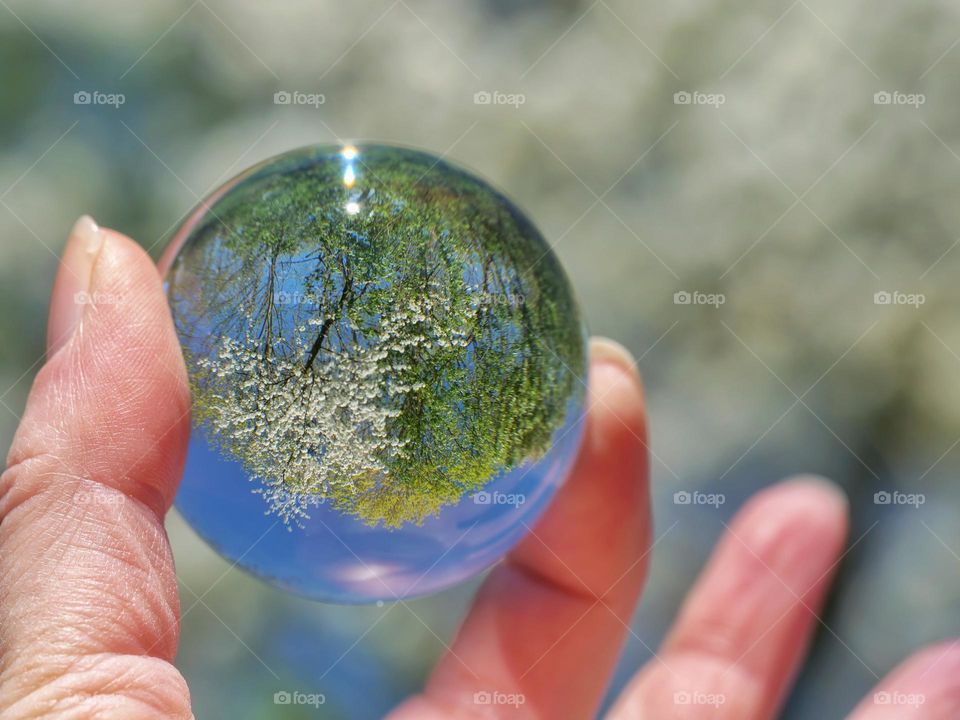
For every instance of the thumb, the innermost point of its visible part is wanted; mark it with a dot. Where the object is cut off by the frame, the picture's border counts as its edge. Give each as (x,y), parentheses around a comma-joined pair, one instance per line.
(89,612)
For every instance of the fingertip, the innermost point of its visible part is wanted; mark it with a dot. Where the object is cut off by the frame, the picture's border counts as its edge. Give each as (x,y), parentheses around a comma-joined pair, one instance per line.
(938,659)
(614,457)
(818,486)
(605,350)
(123,262)
(795,530)
(72,282)
(935,666)
(927,682)
(811,502)
(615,398)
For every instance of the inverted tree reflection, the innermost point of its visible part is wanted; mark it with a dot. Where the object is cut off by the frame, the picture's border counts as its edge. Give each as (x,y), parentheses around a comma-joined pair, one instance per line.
(386,347)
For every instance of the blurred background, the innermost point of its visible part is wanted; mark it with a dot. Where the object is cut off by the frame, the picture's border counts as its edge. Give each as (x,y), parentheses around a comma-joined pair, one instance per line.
(757,198)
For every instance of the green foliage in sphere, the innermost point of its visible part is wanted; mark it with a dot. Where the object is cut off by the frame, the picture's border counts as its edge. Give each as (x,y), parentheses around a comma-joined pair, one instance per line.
(375,329)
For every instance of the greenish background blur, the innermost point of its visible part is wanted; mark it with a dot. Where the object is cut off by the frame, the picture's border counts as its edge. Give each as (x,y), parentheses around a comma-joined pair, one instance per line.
(730,149)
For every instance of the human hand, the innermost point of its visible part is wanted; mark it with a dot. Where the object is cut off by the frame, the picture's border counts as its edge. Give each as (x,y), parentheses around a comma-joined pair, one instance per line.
(89,614)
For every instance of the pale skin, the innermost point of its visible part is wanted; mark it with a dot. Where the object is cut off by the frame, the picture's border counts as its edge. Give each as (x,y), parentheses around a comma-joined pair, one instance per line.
(89,614)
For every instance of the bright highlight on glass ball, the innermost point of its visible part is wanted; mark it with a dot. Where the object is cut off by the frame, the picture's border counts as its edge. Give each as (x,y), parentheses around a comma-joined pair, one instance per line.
(387,367)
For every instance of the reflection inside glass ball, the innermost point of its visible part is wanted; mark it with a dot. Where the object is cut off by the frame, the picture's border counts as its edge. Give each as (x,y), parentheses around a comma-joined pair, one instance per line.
(386,362)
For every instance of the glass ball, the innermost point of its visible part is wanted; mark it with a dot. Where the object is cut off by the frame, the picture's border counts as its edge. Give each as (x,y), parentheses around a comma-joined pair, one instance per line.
(386,362)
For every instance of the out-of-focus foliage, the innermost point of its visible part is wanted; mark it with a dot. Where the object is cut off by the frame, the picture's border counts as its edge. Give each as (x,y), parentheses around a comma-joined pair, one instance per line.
(795,179)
